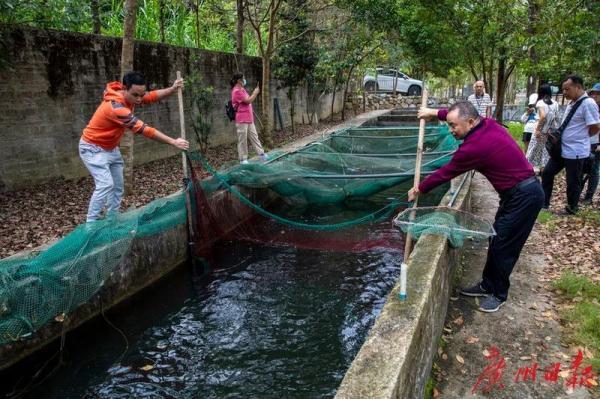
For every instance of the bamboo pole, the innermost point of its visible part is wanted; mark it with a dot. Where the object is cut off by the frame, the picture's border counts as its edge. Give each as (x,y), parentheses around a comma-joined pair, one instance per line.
(418,160)
(186,172)
(182,127)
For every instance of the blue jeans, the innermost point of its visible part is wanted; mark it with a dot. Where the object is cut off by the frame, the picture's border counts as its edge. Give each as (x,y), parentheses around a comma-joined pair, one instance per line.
(106,167)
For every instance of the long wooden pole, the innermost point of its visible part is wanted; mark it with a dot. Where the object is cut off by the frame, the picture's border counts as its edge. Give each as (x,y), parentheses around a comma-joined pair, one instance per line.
(186,172)
(418,161)
(182,126)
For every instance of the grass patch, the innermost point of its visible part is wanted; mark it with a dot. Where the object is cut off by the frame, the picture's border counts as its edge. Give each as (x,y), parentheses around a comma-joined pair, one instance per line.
(545,216)
(547,219)
(516,131)
(574,285)
(589,215)
(585,315)
(429,386)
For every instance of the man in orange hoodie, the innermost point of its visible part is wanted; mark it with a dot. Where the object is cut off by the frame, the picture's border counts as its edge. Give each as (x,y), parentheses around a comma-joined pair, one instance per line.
(99,144)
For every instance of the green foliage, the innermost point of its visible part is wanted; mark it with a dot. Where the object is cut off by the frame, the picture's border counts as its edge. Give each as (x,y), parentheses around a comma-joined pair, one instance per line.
(566,40)
(215,27)
(516,131)
(201,104)
(297,58)
(72,15)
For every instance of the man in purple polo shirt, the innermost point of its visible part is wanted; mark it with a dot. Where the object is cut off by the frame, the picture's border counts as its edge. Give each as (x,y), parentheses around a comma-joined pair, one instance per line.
(490,150)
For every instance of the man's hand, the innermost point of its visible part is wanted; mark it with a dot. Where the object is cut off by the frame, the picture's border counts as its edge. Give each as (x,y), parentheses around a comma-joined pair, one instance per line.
(427,113)
(177,84)
(256,90)
(413,193)
(181,144)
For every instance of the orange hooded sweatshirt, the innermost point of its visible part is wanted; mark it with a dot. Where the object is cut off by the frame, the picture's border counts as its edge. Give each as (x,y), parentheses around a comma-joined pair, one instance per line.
(108,124)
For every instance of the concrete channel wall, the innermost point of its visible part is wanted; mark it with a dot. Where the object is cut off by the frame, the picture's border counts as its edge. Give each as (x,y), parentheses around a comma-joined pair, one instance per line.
(396,358)
(149,259)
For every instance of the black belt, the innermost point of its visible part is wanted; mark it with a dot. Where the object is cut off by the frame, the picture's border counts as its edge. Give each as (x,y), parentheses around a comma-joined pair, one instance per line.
(509,192)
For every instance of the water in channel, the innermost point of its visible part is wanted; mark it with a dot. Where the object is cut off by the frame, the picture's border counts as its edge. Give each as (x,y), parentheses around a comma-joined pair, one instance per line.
(271,322)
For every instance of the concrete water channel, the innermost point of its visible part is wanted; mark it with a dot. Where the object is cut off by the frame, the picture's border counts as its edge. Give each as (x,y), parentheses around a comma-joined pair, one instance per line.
(269,322)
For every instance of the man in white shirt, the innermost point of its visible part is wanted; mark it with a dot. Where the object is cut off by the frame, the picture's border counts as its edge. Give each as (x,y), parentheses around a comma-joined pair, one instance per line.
(575,143)
(481,100)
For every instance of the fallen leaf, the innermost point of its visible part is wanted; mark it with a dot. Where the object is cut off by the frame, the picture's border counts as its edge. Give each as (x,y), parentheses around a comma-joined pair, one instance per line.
(472,340)
(147,367)
(564,373)
(460,359)
(458,321)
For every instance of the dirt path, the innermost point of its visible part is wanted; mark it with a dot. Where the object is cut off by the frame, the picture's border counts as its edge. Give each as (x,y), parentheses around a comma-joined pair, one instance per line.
(525,331)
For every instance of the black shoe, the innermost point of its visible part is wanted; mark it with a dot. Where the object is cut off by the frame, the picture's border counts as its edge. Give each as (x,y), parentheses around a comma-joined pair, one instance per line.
(476,290)
(490,304)
(568,211)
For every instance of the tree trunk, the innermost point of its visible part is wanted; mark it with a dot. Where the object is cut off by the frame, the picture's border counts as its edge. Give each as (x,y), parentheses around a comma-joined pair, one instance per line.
(335,83)
(291,96)
(346,92)
(501,85)
(198,23)
(266,102)
(129,9)
(532,79)
(239,42)
(96,17)
(161,20)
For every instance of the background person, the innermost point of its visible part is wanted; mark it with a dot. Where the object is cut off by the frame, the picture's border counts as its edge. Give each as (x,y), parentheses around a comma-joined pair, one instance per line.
(592,176)
(530,118)
(244,118)
(99,144)
(481,100)
(547,109)
(575,143)
(489,149)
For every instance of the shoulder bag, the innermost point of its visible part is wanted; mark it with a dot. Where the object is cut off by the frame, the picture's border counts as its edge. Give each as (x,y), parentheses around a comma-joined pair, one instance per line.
(554,142)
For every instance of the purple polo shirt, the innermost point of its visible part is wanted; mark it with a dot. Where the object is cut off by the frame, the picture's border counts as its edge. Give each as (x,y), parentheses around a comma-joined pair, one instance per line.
(490,150)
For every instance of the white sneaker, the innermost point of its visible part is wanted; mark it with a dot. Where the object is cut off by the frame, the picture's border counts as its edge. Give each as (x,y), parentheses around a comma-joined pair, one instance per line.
(244,161)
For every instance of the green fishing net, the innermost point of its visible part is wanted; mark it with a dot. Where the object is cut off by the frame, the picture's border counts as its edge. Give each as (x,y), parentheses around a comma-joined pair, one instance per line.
(454,224)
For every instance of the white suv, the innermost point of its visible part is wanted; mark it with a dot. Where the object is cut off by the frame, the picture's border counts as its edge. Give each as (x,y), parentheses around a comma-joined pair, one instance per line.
(385,82)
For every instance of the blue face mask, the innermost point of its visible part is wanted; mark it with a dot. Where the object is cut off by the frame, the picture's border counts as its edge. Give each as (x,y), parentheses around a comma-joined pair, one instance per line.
(243,82)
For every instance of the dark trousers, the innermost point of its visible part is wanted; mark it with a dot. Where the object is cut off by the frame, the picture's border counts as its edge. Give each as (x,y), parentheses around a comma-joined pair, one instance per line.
(592,177)
(514,220)
(574,170)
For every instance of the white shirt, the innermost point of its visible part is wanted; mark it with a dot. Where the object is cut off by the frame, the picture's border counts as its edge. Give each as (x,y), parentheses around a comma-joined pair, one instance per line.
(576,137)
(530,121)
(480,102)
(551,112)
